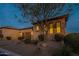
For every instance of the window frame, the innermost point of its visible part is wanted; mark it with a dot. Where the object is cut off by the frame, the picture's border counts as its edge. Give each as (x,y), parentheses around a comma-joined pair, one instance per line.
(51,26)
(57,26)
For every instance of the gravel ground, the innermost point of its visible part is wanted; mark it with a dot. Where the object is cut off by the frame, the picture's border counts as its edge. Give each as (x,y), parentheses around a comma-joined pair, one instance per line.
(8,53)
(41,49)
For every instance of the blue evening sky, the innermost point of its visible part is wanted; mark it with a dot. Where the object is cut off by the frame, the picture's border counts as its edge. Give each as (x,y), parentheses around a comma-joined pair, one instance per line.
(8,18)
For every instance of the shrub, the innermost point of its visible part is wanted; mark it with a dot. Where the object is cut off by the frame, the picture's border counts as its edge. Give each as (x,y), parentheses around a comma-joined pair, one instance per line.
(34,42)
(41,37)
(8,38)
(58,37)
(1,36)
(20,38)
(52,37)
(27,41)
(63,51)
(72,40)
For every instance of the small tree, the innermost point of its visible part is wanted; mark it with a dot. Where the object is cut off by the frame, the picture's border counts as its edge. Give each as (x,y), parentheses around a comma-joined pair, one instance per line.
(35,42)
(8,38)
(27,41)
(58,37)
(72,40)
(41,11)
(41,37)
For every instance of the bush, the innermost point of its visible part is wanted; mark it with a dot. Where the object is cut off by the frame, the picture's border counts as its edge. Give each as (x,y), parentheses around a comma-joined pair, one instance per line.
(8,38)
(34,42)
(1,36)
(20,38)
(27,41)
(63,51)
(72,40)
(41,37)
(58,37)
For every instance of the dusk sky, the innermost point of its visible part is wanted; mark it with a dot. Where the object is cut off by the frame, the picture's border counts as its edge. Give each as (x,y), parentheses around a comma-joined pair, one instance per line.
(8,12)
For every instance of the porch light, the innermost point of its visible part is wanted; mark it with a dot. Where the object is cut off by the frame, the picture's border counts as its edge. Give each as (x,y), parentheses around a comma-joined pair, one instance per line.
(37,27)
(21,34)
(32,33)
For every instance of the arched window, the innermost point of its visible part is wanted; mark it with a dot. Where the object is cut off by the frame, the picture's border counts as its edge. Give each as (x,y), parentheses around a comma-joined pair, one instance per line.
(58,27)
(51,28)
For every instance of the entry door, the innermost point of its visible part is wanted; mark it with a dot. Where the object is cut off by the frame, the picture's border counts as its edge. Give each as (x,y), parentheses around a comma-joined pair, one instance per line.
(27,35)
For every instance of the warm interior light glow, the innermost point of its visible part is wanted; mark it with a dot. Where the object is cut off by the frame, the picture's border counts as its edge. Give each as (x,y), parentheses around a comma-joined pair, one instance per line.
(37,27)
(58,27)
(20,33)
(45,27)
(32,33)
(51,28)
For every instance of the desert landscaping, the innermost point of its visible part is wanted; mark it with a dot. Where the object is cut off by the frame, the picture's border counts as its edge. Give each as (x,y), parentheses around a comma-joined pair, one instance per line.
(30,49)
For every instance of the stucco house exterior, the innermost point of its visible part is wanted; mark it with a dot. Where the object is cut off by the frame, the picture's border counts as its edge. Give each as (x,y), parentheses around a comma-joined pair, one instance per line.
(52,26)
(15,33)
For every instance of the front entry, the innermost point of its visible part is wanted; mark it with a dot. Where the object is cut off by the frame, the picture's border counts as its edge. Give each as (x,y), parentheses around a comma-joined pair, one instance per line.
(27,35)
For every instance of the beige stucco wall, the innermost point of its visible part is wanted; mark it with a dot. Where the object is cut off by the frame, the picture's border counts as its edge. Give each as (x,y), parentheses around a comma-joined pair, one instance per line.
(36,33)
(54,22)
(14,34)
(28,31)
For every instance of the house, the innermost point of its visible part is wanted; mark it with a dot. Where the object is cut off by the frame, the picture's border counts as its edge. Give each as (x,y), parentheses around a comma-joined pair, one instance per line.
(14,33)
(50,26)
(26,33)
(47,27)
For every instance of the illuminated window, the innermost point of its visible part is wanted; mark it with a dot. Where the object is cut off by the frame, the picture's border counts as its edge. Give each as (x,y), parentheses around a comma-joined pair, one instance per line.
(58,27)
(21,33)
(51,28)
(37,27)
